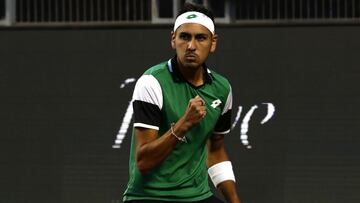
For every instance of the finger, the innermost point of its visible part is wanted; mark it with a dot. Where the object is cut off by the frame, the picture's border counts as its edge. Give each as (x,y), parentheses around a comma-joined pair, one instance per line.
(200,109)
(200,102)
(198,98)
(203,114)
(196,102)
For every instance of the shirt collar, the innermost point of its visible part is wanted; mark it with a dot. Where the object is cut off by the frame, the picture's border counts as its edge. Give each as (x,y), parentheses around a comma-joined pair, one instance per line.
(178,77)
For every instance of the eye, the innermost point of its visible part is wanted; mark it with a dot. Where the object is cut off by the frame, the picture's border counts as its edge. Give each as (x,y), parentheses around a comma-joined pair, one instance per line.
(185,36)
(201,37)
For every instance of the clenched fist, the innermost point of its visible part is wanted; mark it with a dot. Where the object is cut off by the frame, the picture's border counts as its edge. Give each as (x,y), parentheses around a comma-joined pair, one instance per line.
(195,111)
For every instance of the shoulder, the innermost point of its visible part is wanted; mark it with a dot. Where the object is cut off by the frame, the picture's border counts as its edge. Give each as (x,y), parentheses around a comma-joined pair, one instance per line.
(151,78)
(160,73)
(220,82)
(157,70)
(148,86)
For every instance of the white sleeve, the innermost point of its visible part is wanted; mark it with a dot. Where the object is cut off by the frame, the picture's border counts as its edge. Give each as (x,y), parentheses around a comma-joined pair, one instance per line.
(147,103)
(148,89)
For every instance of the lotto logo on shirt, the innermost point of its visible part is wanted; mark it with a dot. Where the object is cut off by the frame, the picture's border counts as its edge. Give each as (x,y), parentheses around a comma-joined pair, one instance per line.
(215,103)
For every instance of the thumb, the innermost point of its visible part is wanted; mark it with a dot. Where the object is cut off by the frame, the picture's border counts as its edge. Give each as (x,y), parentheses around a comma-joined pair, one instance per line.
(201,99)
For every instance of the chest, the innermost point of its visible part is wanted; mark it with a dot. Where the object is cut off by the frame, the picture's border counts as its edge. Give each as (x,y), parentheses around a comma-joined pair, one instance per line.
(176,100)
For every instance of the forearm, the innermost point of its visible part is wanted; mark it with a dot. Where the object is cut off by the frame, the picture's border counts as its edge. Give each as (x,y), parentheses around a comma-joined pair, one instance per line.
(216,151)
(220,169)
(151,154)
(228,189)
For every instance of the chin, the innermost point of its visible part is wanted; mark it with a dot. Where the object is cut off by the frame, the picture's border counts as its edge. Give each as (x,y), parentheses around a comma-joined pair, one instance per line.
(192,64)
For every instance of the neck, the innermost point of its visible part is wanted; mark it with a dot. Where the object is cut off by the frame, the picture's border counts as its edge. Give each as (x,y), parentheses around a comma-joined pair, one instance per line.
(194,75)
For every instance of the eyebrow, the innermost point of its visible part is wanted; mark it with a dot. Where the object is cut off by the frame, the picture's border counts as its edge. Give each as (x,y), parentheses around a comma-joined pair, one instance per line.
(196,34)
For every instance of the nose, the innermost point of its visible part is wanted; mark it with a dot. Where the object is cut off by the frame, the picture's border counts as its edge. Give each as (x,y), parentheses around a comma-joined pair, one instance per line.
(192,44)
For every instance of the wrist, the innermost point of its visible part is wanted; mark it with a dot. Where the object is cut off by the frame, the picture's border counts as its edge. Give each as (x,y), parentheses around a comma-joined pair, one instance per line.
(180,138)
(182,126)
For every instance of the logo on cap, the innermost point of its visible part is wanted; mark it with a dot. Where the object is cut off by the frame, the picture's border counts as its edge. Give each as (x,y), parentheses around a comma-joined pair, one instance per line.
(191,16)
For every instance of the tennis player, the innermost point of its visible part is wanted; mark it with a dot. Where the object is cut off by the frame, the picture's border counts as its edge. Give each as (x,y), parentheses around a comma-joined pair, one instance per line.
(182,112)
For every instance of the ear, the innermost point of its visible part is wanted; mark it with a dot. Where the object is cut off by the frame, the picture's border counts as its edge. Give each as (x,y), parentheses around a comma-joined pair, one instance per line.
(213,43)
(173,35)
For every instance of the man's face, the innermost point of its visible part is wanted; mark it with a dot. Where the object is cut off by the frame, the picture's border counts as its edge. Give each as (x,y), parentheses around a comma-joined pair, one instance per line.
(193,44)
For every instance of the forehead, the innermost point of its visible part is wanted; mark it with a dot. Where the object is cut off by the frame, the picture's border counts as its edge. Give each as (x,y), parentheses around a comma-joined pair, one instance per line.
(193,28)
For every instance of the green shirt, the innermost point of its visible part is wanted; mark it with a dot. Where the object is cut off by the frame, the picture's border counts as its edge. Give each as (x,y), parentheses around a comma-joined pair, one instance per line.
(160,98)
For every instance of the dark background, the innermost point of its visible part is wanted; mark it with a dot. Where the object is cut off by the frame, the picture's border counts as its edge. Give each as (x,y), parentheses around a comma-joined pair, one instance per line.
(61,107)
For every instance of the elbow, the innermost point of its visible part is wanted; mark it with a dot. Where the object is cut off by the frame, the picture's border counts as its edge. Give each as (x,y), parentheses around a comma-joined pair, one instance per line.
(142,167)
(143,162)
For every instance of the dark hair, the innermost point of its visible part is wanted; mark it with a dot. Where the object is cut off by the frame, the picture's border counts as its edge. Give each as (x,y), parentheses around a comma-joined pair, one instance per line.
(198,8)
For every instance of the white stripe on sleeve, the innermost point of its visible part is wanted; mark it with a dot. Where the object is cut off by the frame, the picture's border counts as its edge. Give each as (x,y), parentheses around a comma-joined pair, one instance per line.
(228,104)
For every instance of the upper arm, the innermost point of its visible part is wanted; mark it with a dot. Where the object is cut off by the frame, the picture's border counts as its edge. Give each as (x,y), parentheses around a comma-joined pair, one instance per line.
(147,103)
(144,136)
(216,150)
(216,143)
